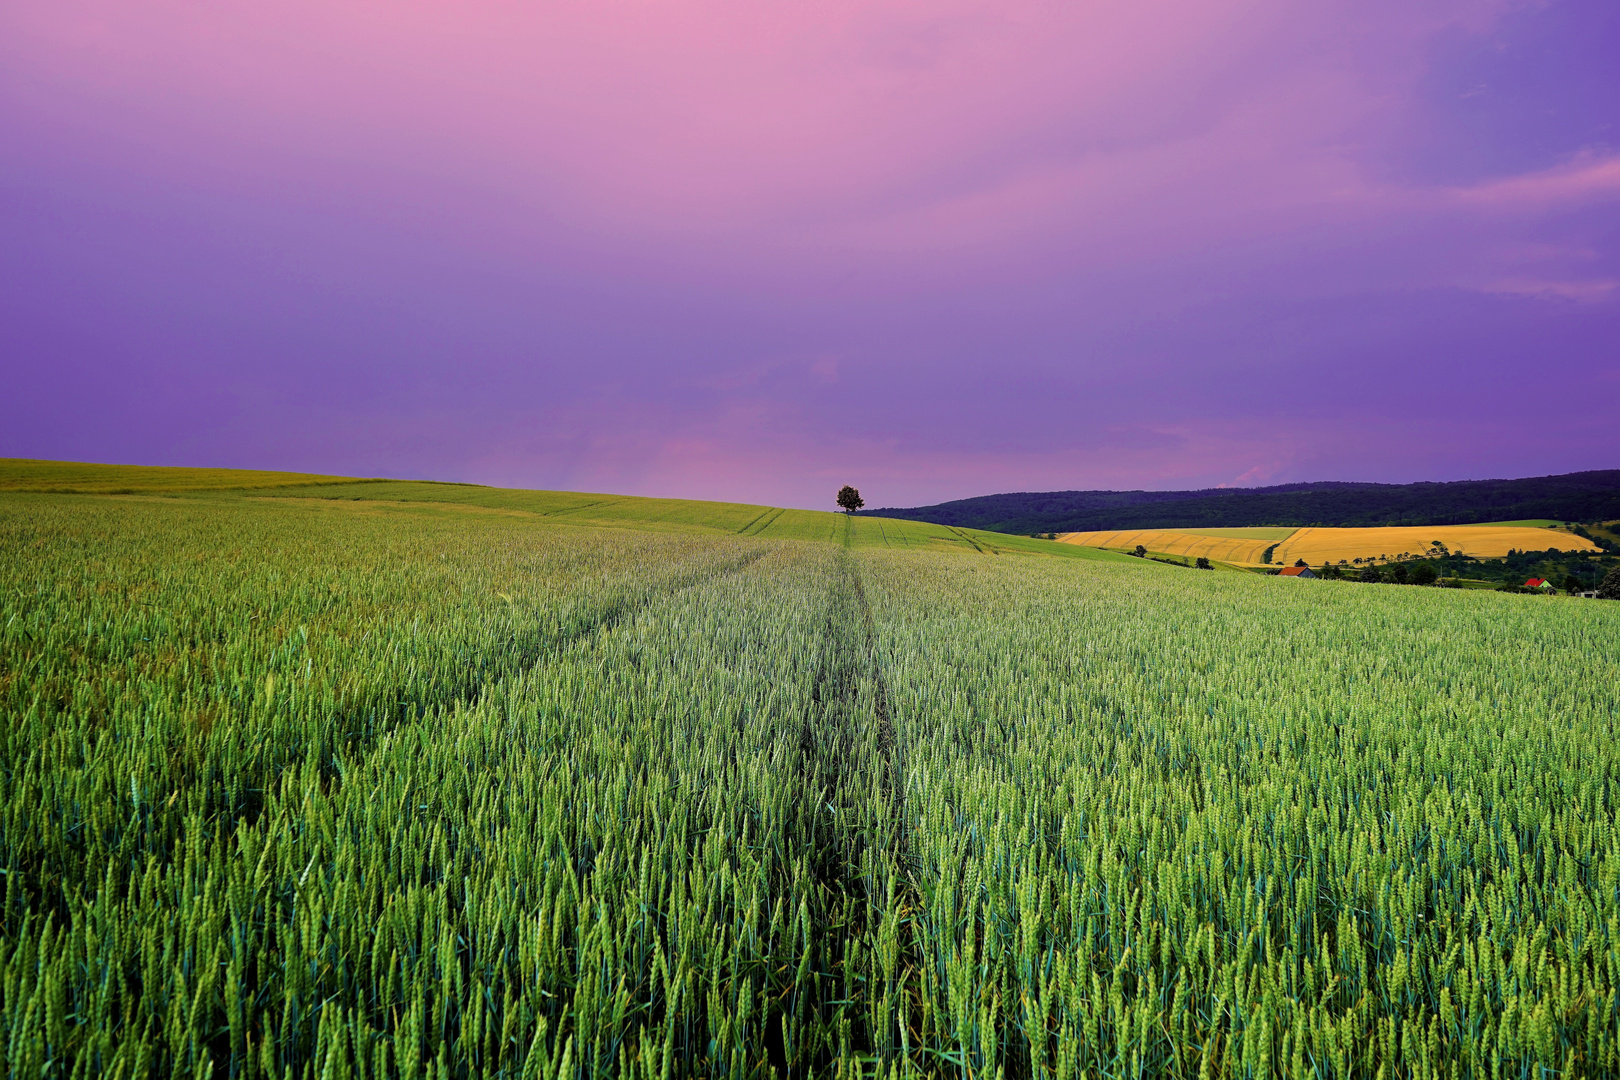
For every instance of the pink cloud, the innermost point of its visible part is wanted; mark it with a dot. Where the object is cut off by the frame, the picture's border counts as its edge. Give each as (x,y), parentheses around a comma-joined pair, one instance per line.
(902,119)
(1588,176)
(1562,290)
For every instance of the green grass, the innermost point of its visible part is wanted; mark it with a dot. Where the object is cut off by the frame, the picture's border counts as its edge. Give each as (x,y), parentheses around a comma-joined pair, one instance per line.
(437,787)
(550,507)
(1527,523)
(25,474)
(665,515)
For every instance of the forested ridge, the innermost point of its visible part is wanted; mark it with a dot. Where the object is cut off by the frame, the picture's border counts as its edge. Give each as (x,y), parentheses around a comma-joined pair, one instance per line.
(1582,496)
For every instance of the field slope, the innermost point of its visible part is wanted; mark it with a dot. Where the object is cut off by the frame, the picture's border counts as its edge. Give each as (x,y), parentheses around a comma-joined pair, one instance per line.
(28,474)
(589,510)
(1318,546)
(1247,547)
(1241,547)
(340,494)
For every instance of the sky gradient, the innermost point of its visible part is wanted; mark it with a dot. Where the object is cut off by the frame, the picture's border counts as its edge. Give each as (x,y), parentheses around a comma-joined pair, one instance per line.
(753,251)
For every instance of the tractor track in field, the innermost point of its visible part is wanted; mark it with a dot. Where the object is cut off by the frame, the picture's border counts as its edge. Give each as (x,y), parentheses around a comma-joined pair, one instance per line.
(888,747)
(42,888)
(534,655)
(761,521)
(980,548)
(848,746)
(899,848)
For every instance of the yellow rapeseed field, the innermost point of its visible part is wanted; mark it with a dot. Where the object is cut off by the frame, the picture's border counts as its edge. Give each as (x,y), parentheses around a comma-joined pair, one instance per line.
(1318,546)
(1246,547)
(1242,546)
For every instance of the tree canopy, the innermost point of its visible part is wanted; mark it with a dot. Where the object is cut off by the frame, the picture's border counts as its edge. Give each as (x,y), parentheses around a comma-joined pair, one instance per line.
(1610,589)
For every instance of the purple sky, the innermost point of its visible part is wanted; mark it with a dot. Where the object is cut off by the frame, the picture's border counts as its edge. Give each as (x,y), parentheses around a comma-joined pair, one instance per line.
(754,250)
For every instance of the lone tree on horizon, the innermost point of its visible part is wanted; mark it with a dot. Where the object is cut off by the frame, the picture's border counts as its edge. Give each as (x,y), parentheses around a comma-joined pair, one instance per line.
(850,499)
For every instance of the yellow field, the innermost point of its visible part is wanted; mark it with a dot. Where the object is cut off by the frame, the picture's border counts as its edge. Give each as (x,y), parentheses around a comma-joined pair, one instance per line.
(1318,546)
(1241,546)
(1245,547)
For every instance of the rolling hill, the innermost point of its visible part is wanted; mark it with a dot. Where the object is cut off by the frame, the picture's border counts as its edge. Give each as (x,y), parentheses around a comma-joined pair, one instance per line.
(1582,496)
(423,497)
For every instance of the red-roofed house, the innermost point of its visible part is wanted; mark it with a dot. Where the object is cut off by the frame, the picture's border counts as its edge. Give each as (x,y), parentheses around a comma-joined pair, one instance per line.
(1295,571)
(1538,583)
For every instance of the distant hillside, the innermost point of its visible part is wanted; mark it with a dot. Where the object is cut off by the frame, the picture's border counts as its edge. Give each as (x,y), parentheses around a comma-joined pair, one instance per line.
(24,479)
(87,478)
(1582,496)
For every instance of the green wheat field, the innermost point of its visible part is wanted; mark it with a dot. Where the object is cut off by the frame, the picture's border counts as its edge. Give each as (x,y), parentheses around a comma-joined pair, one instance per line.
(309,778)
